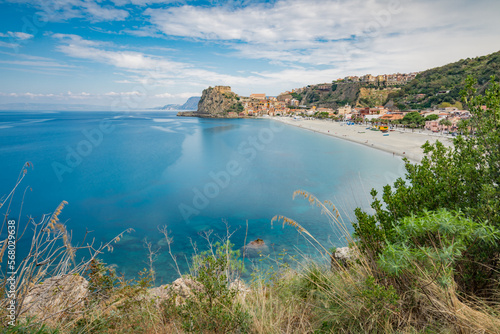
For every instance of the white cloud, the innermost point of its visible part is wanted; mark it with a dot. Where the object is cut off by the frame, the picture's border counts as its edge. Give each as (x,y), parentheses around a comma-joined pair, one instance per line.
(21,35)
(147,70)
(61,10)
(17,35)
(287,20)
(150,73)
(50,64)
(146,2)
(184,95)
(346,34)
(77,47)
(134,93)
(9,45)
(72,95)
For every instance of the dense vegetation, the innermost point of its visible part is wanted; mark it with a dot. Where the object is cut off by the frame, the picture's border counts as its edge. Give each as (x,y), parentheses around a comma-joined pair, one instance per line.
(444,84)
(338,96)
(436,87)
(426,260)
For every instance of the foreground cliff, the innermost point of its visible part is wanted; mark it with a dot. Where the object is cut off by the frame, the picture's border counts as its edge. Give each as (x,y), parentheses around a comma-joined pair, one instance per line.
(217,102)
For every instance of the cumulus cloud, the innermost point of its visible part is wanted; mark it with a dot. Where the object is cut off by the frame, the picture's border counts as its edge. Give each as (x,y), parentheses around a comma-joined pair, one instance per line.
(145,69)
(267,45)
(291,20)
(338,32)
(149,72)
(77,47)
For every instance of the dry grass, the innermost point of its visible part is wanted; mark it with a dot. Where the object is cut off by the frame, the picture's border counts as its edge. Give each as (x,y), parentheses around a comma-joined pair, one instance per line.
(273,309)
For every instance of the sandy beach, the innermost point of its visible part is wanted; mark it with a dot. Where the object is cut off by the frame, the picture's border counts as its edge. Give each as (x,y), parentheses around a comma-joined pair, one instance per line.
(399,142)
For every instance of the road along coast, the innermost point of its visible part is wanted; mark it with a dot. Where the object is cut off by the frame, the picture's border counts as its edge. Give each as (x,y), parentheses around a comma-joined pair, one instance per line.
(404,143)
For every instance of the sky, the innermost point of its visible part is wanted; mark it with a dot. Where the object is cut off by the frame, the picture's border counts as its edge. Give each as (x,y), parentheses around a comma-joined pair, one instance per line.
(147,53)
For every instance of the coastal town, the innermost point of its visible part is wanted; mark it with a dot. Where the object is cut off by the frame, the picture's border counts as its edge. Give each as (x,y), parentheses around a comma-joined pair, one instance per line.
(443,118)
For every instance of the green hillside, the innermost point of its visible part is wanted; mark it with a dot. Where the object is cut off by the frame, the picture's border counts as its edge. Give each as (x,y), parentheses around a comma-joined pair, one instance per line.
(353,93)
(430,88)
(443,84)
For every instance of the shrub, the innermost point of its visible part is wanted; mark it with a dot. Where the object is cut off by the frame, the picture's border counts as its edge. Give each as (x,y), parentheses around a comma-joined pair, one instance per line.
(436,242)
(213,306)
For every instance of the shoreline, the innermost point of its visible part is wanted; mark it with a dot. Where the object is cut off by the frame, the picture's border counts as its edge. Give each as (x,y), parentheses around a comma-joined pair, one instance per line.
(401,143)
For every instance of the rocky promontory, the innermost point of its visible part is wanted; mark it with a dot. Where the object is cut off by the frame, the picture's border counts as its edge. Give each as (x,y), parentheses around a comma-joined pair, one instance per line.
(217,102)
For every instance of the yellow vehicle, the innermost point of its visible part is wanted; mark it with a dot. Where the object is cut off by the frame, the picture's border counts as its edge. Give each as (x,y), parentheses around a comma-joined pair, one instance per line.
(383,128)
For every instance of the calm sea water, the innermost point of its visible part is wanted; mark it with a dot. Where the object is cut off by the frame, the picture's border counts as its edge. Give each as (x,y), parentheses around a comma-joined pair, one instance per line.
(143,170)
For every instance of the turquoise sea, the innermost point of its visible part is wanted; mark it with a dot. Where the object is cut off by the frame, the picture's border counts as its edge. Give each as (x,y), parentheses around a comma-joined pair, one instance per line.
(144,170)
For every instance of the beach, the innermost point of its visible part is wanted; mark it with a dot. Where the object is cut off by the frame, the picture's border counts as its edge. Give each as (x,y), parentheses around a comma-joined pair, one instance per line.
(400,142)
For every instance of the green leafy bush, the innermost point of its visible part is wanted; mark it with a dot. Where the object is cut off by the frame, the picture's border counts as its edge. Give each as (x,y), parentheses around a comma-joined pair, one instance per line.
(436,241)
(213,306)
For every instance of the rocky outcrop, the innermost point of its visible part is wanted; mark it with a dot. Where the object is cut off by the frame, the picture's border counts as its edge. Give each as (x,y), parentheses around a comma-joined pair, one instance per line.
(55,297)
(255,248)
(182,289)
(217,102)
(343,256)
(369,97)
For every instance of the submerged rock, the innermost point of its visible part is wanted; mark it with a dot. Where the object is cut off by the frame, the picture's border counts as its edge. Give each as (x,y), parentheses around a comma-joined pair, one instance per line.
(255,248)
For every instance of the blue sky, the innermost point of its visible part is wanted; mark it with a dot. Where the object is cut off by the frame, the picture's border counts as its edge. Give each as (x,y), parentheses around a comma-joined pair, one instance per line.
(146,53)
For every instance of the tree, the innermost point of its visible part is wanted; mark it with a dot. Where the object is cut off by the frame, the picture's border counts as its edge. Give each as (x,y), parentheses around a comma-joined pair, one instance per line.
(432,117)
(413,118)
(443,123)
(463,126)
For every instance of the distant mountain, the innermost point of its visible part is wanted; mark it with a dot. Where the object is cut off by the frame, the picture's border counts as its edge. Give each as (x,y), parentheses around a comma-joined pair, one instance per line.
(169,107)
(191,104)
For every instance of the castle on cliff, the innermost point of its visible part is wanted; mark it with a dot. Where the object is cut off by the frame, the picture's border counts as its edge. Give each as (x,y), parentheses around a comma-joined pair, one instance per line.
(223,89)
